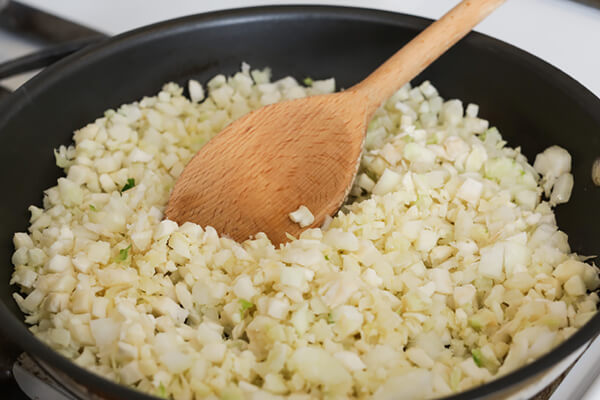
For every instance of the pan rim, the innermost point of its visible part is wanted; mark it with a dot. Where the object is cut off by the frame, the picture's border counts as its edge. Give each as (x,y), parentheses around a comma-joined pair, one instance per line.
(16,329)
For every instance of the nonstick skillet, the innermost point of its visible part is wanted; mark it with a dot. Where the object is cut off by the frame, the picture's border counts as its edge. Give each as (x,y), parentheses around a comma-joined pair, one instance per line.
(532,103)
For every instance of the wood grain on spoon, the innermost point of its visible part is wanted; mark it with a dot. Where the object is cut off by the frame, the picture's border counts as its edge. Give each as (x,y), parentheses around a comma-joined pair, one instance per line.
(263,166)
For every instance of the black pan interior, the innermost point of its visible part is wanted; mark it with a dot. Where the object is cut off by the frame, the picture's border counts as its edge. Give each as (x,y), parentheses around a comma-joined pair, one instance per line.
(533,105)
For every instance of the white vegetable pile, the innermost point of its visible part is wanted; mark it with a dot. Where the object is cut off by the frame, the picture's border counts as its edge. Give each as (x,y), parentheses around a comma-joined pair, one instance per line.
(447,269)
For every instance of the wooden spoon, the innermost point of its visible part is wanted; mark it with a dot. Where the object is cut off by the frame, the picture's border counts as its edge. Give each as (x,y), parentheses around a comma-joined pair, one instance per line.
(263,166)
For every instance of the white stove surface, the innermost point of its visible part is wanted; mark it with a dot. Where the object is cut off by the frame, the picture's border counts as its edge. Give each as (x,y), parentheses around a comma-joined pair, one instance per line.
(564,33)
(583,381)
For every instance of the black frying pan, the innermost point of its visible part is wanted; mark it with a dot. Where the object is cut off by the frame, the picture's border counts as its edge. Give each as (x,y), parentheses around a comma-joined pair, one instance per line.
(533,104)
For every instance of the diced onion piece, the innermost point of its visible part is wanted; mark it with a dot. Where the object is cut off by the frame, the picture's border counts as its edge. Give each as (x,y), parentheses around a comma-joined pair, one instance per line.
(319,367)
(341,240)
(491,262)
(105,331)
(452,112)
(350,360)
(293,276)
(554,161)
(561,192)
(470,191)
(415,152)
(58,263)
(388,182)
(302,216)
(196,91)
(419,357)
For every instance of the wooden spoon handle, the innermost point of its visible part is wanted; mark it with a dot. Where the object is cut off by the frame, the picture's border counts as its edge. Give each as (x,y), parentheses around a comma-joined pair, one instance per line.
(425,48)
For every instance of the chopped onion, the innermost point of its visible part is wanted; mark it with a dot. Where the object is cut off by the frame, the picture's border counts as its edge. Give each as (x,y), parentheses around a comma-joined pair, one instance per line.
(444,269)
(302,216)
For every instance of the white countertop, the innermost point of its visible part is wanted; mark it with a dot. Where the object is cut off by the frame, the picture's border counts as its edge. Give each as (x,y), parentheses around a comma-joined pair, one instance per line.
(565,33)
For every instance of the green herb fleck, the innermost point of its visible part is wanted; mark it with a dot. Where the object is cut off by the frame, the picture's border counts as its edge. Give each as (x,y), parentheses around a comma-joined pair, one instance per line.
(162,391)
(326,257)
(93,207)
(130,183)
(475,323)
(245,305)
(308,81)
(123,254)
(477,357)
(330,318)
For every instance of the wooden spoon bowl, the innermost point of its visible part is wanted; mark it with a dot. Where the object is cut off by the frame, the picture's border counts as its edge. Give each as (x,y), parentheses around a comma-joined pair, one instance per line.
(263,166)
(277,158)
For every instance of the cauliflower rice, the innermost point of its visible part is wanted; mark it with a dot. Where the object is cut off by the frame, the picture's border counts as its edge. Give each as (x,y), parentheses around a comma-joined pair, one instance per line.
(445,269)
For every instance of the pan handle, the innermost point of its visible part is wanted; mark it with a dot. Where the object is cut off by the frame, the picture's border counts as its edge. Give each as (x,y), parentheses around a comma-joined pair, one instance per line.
(43,58)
